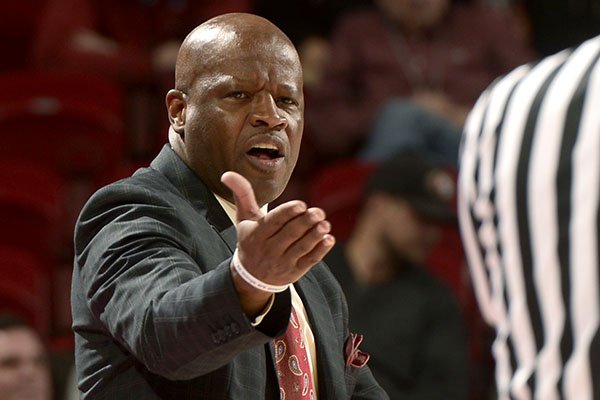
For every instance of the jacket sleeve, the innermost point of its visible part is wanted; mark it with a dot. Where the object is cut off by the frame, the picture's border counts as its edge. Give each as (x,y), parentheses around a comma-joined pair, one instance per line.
(157,279)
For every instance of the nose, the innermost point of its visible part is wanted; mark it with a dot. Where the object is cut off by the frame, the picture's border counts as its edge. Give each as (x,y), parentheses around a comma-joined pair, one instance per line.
(30,369)
(265,112)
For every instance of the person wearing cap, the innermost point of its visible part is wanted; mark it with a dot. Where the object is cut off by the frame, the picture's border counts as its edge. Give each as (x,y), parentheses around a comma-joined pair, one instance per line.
(412,322)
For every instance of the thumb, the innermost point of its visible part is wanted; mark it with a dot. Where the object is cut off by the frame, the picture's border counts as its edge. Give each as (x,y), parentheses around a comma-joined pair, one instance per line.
(243,194)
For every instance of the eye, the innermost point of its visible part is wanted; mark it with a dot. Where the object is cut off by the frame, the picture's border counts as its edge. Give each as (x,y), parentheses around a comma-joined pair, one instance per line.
(288,101)
(238,95)
(10,363)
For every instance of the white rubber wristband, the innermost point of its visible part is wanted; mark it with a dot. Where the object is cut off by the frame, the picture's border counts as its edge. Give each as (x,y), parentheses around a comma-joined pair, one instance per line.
(252,280)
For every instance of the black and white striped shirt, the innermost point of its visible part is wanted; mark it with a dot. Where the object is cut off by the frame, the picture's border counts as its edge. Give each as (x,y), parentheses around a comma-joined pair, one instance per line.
(529,189)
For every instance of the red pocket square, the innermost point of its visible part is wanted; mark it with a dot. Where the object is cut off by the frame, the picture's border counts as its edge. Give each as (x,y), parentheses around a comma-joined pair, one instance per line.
(354,356)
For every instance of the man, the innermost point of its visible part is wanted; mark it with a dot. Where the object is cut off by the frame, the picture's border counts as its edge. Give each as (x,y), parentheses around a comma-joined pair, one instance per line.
(415,329)
(170,299)
(529,188)
(24,368)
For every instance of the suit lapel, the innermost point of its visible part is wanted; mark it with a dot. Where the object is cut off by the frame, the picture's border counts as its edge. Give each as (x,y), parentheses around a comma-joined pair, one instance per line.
(330,362)
(229,235)
(196,192)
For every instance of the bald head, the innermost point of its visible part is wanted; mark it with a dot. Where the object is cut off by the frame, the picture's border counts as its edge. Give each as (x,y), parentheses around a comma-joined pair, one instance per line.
(238,104)
(225,36)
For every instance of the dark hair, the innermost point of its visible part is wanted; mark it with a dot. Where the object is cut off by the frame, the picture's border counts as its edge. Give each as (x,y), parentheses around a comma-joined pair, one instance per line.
(11,321)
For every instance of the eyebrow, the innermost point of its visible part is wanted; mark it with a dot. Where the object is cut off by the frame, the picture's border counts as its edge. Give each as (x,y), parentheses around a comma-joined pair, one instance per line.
(210,82)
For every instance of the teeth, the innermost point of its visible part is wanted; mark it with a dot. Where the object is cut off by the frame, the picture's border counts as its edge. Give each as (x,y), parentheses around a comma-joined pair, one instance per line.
(266,146)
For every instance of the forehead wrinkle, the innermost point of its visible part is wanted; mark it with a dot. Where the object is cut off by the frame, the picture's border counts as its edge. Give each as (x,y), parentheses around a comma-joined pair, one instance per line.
(215,70)
(207,82)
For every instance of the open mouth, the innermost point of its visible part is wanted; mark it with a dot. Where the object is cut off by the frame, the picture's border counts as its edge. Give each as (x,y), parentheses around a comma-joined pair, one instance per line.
(265,152)
(266,156)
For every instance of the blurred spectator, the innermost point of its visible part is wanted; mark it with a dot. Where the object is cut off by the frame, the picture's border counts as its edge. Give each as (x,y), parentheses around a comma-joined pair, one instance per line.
(134,41)
(24,368)
(415,329)
(404,73)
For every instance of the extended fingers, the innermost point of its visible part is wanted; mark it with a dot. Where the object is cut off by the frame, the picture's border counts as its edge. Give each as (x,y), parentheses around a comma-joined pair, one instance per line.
(317,253)
(301,225)
(301,235)
(306,234)
(281,216)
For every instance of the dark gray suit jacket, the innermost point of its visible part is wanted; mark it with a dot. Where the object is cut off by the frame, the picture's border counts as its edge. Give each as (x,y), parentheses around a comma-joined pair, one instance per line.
(155,313)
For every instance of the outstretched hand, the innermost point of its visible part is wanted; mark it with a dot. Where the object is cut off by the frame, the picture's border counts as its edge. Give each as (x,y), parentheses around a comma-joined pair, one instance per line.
(278,247)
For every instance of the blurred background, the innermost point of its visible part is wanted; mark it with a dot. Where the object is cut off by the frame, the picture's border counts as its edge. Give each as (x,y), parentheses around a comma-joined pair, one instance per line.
(82,86)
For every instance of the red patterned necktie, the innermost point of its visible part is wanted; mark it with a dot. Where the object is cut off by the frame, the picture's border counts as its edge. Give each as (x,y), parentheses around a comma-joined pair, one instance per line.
(291,356)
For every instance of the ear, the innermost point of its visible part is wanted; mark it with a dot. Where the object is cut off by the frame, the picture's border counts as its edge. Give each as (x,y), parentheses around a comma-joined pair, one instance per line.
(176,106)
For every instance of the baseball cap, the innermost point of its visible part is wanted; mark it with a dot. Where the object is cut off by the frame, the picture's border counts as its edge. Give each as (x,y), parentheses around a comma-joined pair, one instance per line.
(429,189)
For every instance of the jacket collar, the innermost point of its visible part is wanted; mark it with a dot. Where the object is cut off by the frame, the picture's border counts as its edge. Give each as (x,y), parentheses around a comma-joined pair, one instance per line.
(195,191)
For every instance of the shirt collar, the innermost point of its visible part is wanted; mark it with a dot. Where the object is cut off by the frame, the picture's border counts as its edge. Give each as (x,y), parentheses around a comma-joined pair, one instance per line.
(231,209)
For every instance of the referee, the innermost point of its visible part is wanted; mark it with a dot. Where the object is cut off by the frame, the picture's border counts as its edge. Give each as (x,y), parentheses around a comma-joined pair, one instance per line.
(529,188)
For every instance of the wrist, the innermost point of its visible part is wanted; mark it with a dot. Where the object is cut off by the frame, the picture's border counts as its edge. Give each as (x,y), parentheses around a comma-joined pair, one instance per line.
(251,279)
(252,300)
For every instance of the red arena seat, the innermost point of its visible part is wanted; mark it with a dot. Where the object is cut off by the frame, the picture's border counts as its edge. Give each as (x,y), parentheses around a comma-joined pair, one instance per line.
(71,122)
(18,24)
(31,206)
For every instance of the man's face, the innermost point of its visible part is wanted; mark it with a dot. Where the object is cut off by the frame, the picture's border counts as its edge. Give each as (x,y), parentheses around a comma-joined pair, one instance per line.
(24,371)
(245,113)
